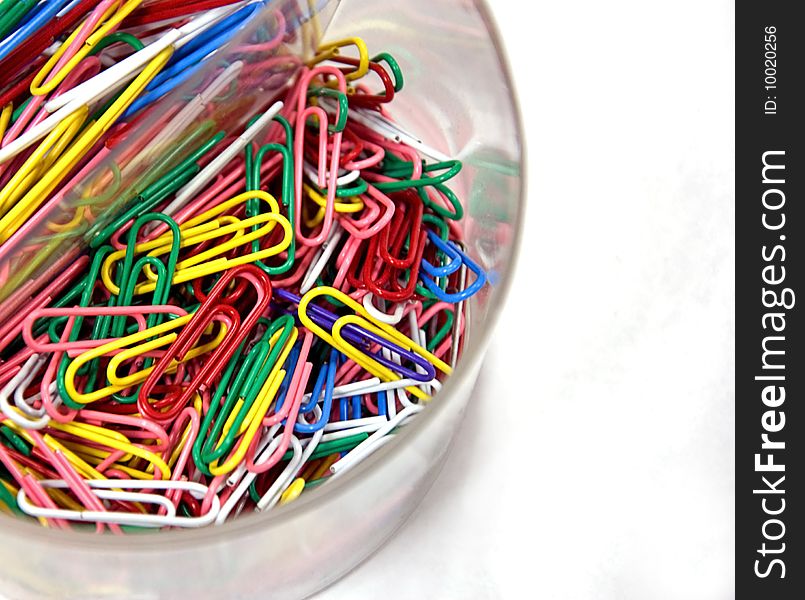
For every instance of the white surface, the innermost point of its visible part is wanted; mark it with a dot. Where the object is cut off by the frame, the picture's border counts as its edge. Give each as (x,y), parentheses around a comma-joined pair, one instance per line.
(599,462)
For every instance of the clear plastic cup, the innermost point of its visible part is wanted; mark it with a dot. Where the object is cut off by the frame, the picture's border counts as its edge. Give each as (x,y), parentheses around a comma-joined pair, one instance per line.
(459,99)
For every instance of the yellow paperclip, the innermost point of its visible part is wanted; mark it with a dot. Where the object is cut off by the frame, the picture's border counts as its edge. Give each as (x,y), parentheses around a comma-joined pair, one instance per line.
(350,204)
(267,394)
(254,417)
(120,12)
(78,219)
(332,49)
(29,203)
(118,384)
(5,118)
(368,321)
(41,158)
(138,377)
(83,469)
(206,227)
(111,439)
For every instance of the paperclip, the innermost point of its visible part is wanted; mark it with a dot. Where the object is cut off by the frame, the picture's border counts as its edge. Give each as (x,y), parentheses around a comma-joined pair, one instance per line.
(172,406)
(70,392)
(175,353)
(104,489)
(324,128)
(480,276)
(80,43)
(15,217)
(205,227)
(260,365)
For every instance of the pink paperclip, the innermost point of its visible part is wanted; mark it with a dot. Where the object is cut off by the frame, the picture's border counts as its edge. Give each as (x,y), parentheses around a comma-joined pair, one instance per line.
(135,312)
(142,428)
(77,484)
(299,140)
(376,156)
(285,440)
(374,229)
(188,415)
(274,42)
(31,486)
(13,323)
(344,262)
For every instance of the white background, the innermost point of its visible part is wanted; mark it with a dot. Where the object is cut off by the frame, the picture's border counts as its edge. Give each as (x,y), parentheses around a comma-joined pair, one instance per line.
(597,453)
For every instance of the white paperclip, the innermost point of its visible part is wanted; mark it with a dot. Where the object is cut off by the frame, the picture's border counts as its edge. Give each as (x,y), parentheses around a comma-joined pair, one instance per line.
(240,471)
(345,179)
(128,68)
(196,105)
(392,319)
(112,489)
(272,495)
(266,448)
(270,499)
(322,257)
(459,314)
(359,456)
(418,337)
(351,423)
(214,167)
(108,81)
(20,381)
(378,439)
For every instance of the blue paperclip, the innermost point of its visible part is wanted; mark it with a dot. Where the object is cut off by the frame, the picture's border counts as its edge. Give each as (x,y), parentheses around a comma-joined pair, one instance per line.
(191,57)
(327,371)
(382,404)
(35,20)
(349,408)
(472,289)
(444,270)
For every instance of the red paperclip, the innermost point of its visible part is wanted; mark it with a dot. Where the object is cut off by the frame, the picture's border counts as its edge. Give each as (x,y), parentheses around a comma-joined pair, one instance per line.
(154,12)
(215,307)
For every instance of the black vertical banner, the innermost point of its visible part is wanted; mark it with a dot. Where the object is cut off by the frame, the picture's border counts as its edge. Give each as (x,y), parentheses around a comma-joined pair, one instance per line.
(770,223)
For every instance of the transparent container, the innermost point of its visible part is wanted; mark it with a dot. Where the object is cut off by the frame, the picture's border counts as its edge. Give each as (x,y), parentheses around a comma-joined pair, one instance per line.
(458,98)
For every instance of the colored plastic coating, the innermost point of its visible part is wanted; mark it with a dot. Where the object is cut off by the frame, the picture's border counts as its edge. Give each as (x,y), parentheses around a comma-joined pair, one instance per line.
(203,315)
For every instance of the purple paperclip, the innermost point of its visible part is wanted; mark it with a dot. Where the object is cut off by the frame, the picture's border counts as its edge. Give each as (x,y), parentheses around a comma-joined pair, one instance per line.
(361,337)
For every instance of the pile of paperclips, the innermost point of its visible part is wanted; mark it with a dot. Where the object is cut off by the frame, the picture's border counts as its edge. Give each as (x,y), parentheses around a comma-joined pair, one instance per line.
(256,321)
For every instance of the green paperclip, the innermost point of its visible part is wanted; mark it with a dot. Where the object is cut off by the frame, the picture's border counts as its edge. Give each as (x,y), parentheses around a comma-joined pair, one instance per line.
(254,370)
(360,188)
(114,38)
(254,164)
(394,66)
(343,106)
(14,14)
(15,441)
(127,276)
(18,111)
(9,500)
(158,190)
(87,286)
